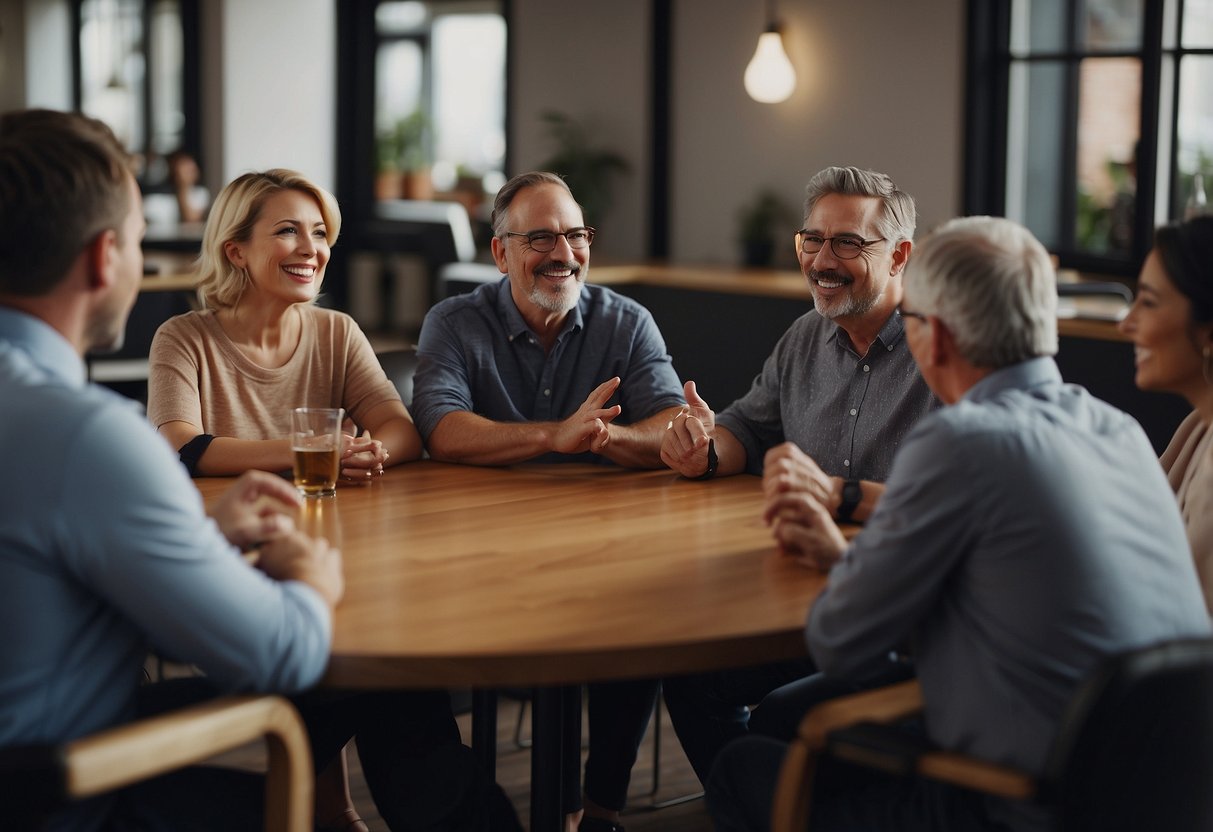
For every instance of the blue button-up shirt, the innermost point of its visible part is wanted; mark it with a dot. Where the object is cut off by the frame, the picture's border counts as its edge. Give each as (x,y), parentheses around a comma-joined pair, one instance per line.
(105,548)
(477,354)
(1025,533)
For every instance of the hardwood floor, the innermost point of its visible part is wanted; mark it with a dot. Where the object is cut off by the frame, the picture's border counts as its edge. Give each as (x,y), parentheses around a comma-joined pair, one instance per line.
(514,770)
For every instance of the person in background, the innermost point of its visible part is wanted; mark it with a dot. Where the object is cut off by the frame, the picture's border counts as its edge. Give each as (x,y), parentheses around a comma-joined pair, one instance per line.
(1005,549)
(542,366)
(184,177)
(1171,324)
(826,414)
(104,546)
(223,381)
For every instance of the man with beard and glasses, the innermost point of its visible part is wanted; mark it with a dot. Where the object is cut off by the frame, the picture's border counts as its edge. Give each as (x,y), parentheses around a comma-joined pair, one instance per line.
(541,366)
(824,417)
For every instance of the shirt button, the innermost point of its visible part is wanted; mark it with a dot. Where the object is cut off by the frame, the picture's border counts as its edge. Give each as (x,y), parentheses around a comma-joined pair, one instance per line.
(866,368)
(853,411)
(547,392)
(846,463)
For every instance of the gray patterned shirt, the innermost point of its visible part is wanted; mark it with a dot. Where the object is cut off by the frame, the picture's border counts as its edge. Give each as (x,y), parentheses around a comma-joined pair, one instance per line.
(848,412)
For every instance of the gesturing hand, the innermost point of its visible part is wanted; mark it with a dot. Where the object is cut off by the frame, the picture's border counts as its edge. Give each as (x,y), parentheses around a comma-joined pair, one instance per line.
(684,447)
(586,429)
(257,508)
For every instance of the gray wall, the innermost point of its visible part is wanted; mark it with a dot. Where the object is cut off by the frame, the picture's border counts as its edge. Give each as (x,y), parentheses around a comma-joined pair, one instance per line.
(880,85)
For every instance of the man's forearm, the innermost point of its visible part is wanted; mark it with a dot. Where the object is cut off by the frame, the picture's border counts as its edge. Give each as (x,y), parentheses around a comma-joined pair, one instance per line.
(473,440)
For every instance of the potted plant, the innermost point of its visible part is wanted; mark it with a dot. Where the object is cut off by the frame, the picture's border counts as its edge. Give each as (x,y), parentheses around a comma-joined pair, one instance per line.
(403,154)
(587,170)
(760,221)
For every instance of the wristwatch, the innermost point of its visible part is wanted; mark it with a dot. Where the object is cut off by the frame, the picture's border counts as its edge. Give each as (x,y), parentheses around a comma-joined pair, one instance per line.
(852,495)
(713,461)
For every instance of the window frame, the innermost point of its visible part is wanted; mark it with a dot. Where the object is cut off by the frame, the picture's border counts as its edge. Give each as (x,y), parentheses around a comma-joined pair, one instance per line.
(987,98)
(191,74)
(357,47)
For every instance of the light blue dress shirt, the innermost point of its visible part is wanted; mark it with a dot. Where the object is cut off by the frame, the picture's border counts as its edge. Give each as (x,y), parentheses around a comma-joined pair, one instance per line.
(1026,532)
(105,549)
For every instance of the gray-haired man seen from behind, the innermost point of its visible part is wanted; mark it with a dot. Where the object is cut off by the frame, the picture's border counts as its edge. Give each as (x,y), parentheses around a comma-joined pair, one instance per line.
(1006,548)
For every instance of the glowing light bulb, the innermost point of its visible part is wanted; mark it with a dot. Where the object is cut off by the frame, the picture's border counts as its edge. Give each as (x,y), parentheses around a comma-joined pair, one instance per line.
(770,76)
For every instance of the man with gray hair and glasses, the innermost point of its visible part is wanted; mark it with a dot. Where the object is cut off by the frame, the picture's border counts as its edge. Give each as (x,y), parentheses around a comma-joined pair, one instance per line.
(826,414)
(1006,548)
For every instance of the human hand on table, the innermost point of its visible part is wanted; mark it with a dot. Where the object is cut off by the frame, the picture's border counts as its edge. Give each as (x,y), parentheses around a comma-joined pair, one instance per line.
(804,529)
(789,470)
(362,458)
(311,560)
(257,508)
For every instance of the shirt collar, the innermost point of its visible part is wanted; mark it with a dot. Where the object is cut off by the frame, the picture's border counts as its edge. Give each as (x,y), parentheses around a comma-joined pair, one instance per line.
(894,330)
(516,325)
(44,345)
(1026,375)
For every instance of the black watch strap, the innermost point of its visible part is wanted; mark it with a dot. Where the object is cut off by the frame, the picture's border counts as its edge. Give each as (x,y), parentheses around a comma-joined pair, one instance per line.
(713,461)
(852,495)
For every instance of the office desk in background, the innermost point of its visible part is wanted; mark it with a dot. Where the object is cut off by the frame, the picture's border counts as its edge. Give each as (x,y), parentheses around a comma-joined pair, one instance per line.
(553,576)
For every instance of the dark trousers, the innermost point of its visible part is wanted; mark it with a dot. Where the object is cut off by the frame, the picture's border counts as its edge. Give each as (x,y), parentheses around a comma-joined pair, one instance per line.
(846,798)
(419,773)
(709,710)
(619,715)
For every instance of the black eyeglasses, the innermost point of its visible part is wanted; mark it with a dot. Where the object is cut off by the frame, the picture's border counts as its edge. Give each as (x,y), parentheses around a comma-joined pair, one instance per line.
(905,313)
(844,246)
(545,241)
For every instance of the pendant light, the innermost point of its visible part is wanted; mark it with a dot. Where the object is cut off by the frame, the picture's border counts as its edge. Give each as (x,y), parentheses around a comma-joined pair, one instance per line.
(770,76)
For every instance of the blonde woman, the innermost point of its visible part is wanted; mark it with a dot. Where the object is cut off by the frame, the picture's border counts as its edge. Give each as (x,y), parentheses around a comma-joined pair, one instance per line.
(224,380)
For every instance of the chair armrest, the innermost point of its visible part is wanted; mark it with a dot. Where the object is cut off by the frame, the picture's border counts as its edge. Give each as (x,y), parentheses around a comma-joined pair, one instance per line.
(894,750)
(978,775)
(130,753)
(794,789)
(887,704)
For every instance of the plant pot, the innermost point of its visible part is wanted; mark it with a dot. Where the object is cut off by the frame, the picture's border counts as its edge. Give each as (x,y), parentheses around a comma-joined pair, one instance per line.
(417,184)
(388,185)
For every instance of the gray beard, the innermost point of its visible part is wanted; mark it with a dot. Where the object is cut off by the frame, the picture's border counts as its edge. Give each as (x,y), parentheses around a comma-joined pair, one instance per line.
(550,302)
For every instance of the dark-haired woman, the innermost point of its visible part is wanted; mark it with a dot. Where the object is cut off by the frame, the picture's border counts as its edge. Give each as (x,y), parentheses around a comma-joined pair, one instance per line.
(1171,324)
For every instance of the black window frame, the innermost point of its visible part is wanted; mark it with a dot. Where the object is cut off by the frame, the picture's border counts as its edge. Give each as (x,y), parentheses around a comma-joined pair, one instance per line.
(987,97)
(191,75)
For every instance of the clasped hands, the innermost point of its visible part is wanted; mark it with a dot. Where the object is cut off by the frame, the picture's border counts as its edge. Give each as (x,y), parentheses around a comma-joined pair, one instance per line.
(257,511)
(800,502)
(362,458)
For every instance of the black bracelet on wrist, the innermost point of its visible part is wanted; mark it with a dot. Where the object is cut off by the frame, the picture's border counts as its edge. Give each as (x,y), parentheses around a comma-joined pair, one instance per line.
(192,451)
(852,496)
(713,461)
